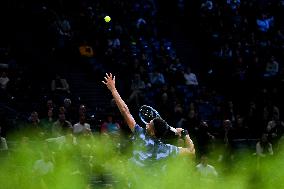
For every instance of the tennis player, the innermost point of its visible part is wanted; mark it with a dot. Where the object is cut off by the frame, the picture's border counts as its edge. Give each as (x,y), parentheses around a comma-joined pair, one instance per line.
(150,140)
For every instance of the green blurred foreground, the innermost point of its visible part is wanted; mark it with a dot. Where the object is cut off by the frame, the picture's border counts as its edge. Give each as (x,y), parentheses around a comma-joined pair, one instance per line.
(103,162)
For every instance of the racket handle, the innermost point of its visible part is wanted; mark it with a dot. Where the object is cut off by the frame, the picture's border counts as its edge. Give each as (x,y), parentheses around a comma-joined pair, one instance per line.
(173,129)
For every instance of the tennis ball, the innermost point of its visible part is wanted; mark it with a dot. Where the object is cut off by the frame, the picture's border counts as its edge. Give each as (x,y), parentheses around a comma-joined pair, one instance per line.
(107,18)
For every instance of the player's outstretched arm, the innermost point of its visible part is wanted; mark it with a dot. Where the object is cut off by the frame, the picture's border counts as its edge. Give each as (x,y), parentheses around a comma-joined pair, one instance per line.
(109,81)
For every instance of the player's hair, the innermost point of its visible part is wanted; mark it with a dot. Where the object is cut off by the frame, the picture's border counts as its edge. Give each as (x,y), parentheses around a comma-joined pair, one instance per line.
(160,127)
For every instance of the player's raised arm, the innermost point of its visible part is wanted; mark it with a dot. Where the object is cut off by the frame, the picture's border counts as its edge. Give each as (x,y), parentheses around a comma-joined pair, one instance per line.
(109,81)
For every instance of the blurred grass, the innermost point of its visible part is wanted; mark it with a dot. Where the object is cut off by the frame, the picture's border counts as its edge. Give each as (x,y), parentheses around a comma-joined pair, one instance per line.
(103,162)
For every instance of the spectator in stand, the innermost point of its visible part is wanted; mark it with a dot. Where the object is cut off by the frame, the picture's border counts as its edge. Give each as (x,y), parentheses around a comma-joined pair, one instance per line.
(4,80)
(137,90)
(178,115)
(226,141)
(34,122)
(234,4)
(157,78)
(110,126)
(86,111)
(61,126)
(264,23)
(46,108)
(82,127)
(114,43)
(50,105)
(227,132)
(34,127)
(34,119)
(264,147)
(70,110)
(63,31)
(275,128)
(192,122)
(241,131)
(253,121)
(230,111)
(190,78)
(83,110)
(226,52)
(203,139)
(206,170)
(48,122)
(207,5)
(62,109)
(164,101)
(272,68)
(279,39)
(141,26)
(217,116)
(44,166)
(3,142)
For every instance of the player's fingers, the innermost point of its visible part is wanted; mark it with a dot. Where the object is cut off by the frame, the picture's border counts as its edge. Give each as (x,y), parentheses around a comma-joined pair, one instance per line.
(107,75)
(114,78)
(106,78)
(104,82)
(110,74)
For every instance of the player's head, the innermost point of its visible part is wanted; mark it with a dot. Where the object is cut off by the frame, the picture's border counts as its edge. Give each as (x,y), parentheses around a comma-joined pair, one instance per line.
(157,128)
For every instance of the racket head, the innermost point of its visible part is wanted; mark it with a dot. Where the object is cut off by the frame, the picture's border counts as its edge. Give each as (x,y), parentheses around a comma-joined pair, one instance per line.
(147,113)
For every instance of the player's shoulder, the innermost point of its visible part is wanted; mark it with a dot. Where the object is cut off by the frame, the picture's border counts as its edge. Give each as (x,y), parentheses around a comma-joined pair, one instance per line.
(138,128)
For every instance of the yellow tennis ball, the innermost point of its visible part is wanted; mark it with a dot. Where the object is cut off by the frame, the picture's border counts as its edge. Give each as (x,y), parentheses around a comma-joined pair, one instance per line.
(107,18)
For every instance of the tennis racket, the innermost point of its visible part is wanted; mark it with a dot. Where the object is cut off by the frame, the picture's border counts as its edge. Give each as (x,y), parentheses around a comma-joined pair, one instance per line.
(147,113)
